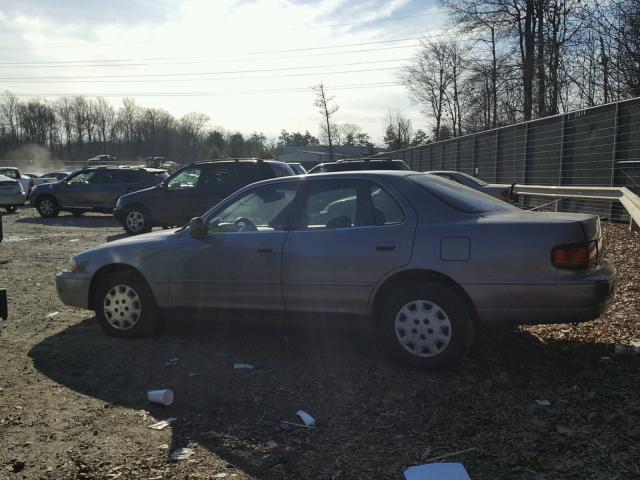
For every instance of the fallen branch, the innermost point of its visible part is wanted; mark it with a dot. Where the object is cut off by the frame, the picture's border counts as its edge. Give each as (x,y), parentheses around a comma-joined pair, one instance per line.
(452,454)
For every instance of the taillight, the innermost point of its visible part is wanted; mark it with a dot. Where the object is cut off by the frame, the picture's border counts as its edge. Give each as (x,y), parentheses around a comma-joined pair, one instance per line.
(575,256)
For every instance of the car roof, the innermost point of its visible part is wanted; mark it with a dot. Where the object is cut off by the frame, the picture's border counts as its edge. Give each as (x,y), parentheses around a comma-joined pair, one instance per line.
(8,168)
(238,160)
(120,167)
(450,172)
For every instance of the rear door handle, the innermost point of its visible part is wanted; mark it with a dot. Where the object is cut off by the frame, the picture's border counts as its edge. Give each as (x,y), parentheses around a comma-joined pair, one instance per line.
(265,250)
(386,247)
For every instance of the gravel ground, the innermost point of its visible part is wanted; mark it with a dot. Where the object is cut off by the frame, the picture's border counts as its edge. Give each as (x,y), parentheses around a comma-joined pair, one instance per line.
(72,401)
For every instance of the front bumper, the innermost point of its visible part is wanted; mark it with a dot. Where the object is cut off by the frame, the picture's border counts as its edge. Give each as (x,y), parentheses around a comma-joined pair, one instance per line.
(73,288)
(118,215)
(12,199)
(569,300)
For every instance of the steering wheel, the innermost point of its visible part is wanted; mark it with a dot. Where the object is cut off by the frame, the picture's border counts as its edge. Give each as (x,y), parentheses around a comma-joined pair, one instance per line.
(245,225)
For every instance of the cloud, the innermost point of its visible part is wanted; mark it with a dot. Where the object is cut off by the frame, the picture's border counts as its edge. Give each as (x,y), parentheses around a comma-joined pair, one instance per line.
(189,37)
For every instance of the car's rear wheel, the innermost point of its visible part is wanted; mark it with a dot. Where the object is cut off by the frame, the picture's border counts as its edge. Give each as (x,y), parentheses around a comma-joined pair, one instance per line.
(137,220)
(426,324)
(47,206)
(11,208)
(125,306)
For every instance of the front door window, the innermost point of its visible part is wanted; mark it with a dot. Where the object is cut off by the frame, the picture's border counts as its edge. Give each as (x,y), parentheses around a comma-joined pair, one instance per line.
(261,209)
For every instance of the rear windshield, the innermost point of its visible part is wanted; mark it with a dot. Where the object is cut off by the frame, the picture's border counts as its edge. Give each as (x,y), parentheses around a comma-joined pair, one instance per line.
(459,197)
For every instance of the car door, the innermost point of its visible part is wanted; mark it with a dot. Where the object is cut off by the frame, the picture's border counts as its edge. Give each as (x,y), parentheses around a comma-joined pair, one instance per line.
(351,233)
(238,263)
(218,181)
(76,190)
(115,183)
(176,201)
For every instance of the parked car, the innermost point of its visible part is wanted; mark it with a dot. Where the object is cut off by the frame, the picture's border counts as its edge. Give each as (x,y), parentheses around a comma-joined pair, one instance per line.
(425,259)
(27,181)
(11,194)
(297,168)
(191,191)
(92,189)
(497,191)
(359,164)
(60,175)
(102,159)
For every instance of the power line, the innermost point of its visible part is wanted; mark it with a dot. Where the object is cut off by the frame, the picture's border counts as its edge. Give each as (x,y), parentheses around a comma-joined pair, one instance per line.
(204,94)
(427,36)
(62,64)
(188,74)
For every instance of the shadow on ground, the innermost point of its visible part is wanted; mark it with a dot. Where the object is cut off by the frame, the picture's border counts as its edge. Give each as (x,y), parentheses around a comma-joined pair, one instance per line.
(67,220)
(375,417)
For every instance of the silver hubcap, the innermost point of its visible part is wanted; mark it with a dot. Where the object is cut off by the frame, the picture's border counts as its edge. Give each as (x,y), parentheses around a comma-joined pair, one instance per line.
(135,221)
(423,328)
(122,307)
(46,206)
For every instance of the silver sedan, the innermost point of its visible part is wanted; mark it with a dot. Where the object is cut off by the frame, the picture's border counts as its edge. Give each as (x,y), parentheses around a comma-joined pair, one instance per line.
(425,259)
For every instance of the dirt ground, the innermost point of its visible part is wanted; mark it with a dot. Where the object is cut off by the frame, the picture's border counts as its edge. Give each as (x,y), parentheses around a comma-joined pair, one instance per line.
(73,401)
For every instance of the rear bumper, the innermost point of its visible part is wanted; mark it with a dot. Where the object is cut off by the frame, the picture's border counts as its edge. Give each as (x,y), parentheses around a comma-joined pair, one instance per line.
(14,199)
(565,301)
(73,289)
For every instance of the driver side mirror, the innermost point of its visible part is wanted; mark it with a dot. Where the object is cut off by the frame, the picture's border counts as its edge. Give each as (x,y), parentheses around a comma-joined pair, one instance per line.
(197,228)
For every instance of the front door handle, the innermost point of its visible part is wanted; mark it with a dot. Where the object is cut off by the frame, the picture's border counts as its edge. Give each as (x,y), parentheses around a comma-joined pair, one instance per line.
(386,247)
(265,250)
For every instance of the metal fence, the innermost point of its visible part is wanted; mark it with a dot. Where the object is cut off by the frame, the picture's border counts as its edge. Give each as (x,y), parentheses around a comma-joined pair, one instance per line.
(597,146)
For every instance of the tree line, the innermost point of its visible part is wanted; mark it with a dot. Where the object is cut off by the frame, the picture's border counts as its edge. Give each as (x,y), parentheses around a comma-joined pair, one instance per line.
(516,60)
(77,128)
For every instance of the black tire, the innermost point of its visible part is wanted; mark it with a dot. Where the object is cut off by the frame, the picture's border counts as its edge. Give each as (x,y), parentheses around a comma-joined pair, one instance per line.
(11,208)
(116,286)
(442,317)
(47,206)
(136,220)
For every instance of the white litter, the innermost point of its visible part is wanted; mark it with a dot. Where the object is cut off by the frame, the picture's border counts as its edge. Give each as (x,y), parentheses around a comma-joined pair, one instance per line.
(307,419)
(182,454)
(51,314)
(543,403)
(162,424)
(248,366)
(74,240)
(437,471)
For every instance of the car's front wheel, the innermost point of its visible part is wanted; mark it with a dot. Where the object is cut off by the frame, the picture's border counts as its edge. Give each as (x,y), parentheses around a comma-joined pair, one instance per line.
(426,324)
(125,306)
(47,206)
(137,220)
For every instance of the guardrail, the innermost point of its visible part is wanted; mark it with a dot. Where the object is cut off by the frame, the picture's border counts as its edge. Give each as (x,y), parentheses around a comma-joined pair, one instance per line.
(629,200)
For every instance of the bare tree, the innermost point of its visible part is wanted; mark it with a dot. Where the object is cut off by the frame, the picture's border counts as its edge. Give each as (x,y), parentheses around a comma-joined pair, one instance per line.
(322,102)
(398,130)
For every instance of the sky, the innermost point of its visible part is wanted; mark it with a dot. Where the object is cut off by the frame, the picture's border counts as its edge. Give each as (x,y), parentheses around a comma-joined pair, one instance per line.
(248,64)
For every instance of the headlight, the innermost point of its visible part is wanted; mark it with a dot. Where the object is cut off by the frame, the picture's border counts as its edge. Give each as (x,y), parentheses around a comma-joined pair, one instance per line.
(72,266)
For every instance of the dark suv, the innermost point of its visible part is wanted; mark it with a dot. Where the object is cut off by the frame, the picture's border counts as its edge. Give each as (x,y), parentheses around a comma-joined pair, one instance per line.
(359,164)
(191,191)
(93,189)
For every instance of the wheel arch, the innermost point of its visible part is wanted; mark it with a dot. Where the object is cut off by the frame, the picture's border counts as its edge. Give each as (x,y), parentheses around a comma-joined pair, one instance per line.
(417,275)
(107,270)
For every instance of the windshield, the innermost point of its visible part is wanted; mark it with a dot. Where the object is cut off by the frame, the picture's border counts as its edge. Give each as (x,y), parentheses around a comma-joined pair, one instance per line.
(459,197)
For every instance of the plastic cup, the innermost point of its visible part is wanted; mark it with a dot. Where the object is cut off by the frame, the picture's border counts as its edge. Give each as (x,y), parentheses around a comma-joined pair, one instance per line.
(163,397)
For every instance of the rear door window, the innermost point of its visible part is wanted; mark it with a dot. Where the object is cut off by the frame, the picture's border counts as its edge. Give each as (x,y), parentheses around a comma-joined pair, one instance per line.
(386,211)
(124,176)
(217,177)
(332,204)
